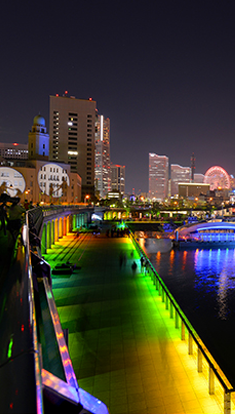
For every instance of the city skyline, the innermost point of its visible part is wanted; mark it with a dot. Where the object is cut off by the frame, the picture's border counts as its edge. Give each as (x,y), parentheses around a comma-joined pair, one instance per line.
(162,73)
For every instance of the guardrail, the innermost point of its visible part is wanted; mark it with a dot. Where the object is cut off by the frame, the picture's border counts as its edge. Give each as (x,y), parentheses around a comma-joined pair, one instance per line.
(182,321)
(33,379)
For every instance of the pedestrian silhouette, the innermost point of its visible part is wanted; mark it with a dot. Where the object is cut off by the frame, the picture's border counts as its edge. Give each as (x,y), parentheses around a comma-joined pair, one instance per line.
(134,267)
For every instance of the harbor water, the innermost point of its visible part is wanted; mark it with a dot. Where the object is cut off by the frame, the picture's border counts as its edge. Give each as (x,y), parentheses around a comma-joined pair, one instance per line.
(203,283)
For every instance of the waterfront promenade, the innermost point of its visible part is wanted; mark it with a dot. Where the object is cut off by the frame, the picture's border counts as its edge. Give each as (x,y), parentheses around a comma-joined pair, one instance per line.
(124,347)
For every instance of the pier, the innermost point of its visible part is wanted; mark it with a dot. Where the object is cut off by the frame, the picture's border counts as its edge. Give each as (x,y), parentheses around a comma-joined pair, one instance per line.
(124,347)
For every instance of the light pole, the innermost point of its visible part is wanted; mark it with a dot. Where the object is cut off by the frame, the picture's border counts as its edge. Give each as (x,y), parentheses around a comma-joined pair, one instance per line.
(86,198)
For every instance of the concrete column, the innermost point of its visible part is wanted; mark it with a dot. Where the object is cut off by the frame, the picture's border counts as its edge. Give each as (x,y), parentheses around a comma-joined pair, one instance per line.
(44,240)
(64,226)
(60,227)
(52,232)
(56,230)
(211,381)
(199,360)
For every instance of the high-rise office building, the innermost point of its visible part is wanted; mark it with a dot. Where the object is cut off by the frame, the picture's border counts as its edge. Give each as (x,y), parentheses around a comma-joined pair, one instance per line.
(72,136)
(102,156)
(118,178)
(179,174)
(158,176)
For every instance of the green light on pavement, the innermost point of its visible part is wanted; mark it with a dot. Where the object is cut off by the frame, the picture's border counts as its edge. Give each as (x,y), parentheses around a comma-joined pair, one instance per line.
(9,353)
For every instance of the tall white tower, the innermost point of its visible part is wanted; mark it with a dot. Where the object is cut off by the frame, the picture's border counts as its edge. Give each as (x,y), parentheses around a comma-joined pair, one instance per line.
(102,156)
(38,143)
(158,176)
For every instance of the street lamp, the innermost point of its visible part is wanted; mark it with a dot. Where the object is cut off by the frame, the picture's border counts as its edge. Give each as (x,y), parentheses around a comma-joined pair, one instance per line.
(86,198)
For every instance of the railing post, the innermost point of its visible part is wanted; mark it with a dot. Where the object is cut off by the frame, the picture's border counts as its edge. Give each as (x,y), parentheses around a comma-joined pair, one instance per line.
(176,319)
(163,295)
(171,310)
(167,302)
(190,344)
(199,360)
(211,380)
(157,283)
(182,331)
(227,402)
(159,289)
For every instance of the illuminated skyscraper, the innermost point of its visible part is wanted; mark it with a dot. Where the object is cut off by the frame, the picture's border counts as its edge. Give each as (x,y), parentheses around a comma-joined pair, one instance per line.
(72,136)
(118,178)
(158,176)
(102,156)
(179,175)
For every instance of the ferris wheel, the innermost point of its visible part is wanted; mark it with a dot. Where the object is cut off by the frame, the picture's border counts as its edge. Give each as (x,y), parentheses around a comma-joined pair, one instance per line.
(217,177)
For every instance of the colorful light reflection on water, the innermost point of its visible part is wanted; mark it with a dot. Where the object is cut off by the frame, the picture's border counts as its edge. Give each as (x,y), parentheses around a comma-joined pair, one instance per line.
(203,284)
(215,274)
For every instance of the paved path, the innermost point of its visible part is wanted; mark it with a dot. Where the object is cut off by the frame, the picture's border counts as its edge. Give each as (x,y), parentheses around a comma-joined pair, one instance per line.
(123,345)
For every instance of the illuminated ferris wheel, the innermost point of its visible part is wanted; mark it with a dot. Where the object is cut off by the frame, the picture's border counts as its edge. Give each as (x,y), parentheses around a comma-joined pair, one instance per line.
(217,177)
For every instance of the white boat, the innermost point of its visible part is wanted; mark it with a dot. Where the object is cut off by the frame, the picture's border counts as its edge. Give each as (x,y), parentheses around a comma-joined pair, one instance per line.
(206,233)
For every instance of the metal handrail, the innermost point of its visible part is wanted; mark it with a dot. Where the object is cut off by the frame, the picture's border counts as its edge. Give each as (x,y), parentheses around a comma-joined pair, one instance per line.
(211,361)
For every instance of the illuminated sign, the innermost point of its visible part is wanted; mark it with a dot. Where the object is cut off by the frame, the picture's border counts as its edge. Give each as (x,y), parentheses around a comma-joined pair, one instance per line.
(12,182)
(53,180)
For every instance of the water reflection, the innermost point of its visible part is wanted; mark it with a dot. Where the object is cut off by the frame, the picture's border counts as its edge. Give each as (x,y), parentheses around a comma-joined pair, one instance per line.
(203,281)
(215,275)
(203,284)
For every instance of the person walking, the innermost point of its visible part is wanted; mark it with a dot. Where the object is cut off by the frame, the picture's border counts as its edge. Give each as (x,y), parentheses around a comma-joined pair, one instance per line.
(134,267)
(142,261)
(15,216)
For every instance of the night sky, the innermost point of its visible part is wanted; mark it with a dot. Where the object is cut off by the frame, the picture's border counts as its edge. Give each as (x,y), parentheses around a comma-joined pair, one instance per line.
(162,71)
